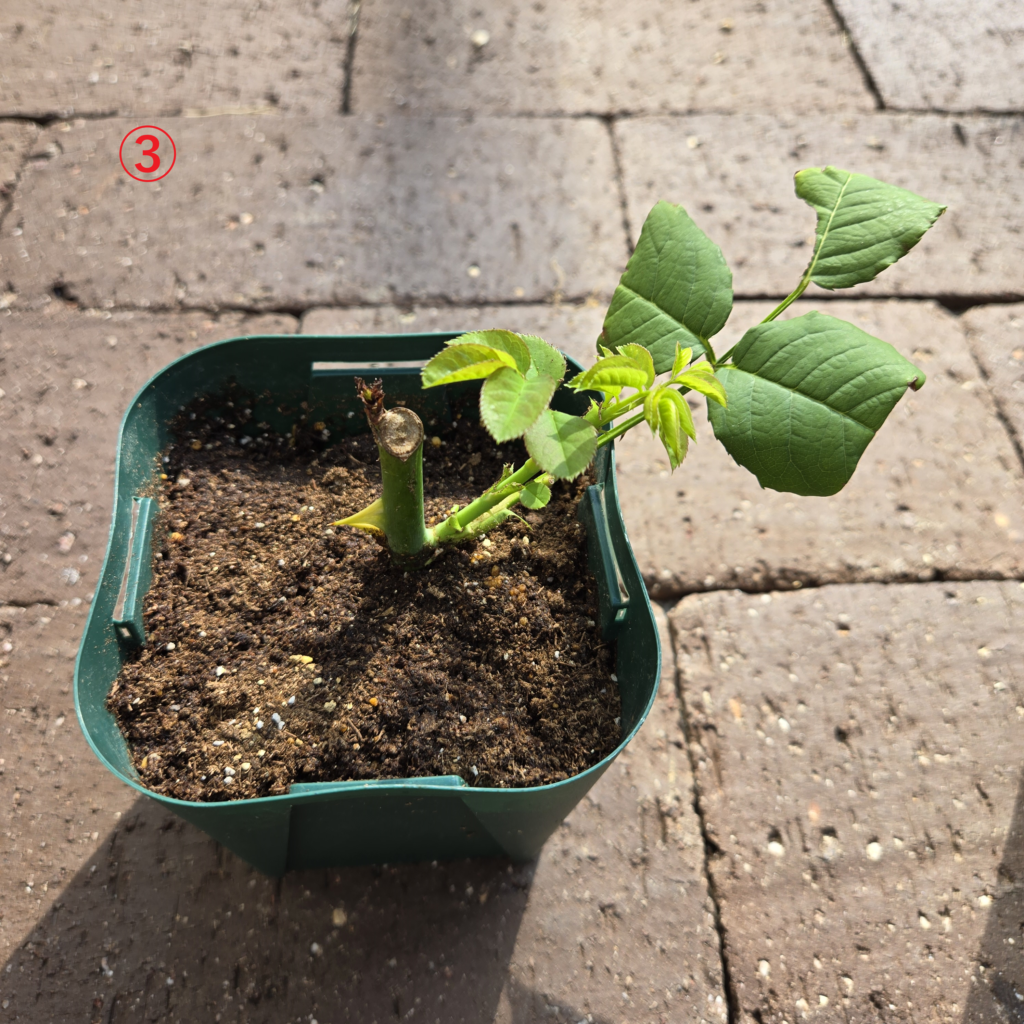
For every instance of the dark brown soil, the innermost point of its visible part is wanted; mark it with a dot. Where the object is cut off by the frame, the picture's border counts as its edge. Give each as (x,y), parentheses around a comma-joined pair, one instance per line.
(281,650)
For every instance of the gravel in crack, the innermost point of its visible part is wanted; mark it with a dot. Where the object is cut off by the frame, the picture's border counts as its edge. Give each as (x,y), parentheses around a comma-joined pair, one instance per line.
(282,650)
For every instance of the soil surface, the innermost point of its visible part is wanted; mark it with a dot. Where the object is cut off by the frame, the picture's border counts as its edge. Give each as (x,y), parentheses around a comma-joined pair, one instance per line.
(280,649)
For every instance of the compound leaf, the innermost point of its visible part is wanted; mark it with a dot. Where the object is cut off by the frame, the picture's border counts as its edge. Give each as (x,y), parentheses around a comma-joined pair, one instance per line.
(465,361)
(546,359)
(536,494)
(561,444)
(806,396)
(676,290)
(510,403)
(864,225)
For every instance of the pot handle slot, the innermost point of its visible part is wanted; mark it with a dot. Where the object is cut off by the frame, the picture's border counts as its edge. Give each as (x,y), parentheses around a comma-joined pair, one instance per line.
(613,597)
(138,573)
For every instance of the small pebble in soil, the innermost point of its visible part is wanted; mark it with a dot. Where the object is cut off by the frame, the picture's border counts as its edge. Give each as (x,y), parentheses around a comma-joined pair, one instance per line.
(228,780)
(316,949)
(246,766)
(338,917)
(476,771)
(614,678)
(277,720)
(259,724)
(221,670)
(462,718)
(291,701)
(330,705)
(229,770)
(218,743)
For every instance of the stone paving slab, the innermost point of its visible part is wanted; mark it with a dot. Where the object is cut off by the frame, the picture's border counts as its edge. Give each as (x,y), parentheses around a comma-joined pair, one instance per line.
(264,213)
(602,57)
(16,138)
(941,56)
(735,176)
(571,328)
(939,493)
(66,378)
(159,59)
(996,336)
(858,767)
(104,896)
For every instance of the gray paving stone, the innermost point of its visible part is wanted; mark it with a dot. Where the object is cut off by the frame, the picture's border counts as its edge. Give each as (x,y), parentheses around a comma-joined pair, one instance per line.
(939,493)
(735,176)
(573,329)
(16,137)
(602,57)
(265,213)
(154,59)
(618,923)
(996,336)
(66,379)
(612,921)
(858,766)
(941,56)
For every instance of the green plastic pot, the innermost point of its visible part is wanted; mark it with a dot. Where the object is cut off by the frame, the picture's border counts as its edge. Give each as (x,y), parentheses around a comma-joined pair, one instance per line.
(332,823)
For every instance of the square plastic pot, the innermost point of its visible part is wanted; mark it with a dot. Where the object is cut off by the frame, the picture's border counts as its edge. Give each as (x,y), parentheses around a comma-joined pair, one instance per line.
(333,823)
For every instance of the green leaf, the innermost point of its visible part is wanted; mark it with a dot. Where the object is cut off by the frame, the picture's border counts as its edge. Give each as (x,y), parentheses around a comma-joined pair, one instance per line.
(546,359)
(561,444)
(681,360)
(704,381)
(805,397)
(674,423)
(536,494)
(509,403)
(641,360)
(464,362)
(676,289)
(864,225)
(503,341)
(611,375)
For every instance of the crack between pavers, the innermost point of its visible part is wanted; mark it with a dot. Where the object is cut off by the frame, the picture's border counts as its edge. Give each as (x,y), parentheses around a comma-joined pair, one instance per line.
(954,304)
(620,184)
(869,79)
(46,119)
(709,845)
(662,592)
(350,56)
(19,602)
(1000,410)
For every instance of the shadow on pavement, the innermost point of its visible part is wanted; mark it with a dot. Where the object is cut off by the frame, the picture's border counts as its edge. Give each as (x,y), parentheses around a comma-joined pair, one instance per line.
(162,924)
(999,994)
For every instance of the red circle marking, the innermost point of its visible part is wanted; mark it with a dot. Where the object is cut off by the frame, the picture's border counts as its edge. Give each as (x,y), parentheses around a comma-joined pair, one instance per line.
(147,153)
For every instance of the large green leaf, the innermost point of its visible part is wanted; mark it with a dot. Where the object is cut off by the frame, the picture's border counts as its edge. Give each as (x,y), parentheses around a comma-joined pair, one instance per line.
(677,289)
(464,362)
(805,398)
(561,444)
(864,225)
(509,403)
(503,341)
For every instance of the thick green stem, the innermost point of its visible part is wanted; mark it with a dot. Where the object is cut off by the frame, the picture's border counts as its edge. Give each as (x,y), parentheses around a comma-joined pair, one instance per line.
(402,495)
(399,436)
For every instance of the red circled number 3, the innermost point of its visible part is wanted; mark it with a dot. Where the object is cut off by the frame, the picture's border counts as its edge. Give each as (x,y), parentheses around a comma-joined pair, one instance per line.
(151,153)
